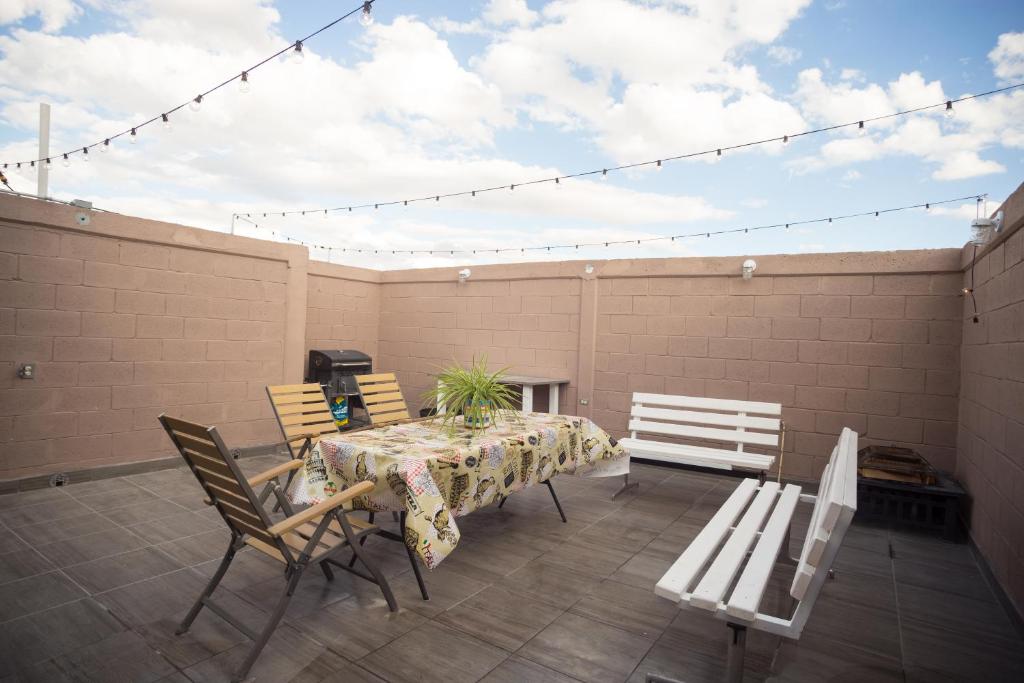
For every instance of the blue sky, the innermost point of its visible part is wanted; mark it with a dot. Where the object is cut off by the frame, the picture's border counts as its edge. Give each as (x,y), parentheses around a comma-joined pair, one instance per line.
(446,96)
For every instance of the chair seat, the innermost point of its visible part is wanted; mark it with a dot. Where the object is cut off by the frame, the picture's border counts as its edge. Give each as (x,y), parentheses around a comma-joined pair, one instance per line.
(299,538)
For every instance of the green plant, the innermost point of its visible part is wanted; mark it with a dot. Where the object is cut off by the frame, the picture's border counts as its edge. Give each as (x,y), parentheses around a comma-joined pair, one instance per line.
(475,392)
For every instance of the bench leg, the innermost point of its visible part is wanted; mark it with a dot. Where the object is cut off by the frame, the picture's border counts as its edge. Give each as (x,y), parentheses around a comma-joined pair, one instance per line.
(734,656)
(626,485)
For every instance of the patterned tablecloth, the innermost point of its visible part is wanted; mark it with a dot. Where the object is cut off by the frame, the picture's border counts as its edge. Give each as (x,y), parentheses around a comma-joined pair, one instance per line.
(436,476)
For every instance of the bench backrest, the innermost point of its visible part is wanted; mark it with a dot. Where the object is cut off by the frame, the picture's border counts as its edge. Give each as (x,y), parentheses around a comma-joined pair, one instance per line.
(301,409)
(833,511)
(715,419)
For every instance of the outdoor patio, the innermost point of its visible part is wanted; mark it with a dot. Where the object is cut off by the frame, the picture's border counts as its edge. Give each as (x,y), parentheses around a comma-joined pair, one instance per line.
(95,577)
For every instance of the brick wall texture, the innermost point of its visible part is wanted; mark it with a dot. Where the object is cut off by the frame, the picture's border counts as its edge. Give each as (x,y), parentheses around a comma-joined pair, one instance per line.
(990,439)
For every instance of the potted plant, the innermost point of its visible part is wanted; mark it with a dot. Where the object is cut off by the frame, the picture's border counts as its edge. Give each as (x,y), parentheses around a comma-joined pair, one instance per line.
(474,392)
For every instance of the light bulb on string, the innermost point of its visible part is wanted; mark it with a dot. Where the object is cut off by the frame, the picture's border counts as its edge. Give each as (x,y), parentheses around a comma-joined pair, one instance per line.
(657,166)
(298,56)
(134,137)
(604,174)
(67,161)
(861,130)
(105,146)
(366,18)
(949,109)
(243,83)
(927,208)
(196,104)
(785,140)
(876,215)
(85,154)
(167,122)
(558,185)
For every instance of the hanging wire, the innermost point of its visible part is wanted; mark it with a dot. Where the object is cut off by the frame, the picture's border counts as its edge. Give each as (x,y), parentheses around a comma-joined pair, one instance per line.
(242,75)
(661,238)
(603,172)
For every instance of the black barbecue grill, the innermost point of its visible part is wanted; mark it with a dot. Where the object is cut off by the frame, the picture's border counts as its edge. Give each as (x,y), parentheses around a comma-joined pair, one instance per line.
(334,370)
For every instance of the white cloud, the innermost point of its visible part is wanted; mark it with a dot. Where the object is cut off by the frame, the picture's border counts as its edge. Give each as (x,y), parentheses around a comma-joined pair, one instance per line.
(784,55)
(500,12)
(1008,57)
(954,147)
(54,14)
(852,175)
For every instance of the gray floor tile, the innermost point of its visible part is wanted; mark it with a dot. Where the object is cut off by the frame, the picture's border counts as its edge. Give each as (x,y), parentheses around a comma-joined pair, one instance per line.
(950,577)
(114,487)
(34,497)
(586,649)
(111,572)
(105,501)
(42,533)
(22,564)
(554,584)
(60,507)
(974,658)
(500,617)
(434,653)
(357,625)
(91,547)
(123,656)
(516,670)
(637,610)
(142,512)
(173,527)
(36,593)
(44,635)
(194,550)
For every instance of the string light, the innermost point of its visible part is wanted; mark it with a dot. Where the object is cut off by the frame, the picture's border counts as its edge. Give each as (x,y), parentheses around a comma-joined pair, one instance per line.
(861,130)
(366,18)
(785,139)
(67,161)
(298,56)
(949,109)
(134,137)
(243,77)
(167,122)
(105,146)
(705,233)
(712,154)
(85,154)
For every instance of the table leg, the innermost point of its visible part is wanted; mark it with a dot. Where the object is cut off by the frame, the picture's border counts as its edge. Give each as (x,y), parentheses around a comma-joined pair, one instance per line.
(553,398)
(414,561)
(527,398)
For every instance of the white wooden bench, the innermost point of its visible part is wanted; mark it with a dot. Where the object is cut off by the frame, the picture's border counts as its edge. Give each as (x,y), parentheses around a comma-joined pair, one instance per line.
(737,423)
(753,525)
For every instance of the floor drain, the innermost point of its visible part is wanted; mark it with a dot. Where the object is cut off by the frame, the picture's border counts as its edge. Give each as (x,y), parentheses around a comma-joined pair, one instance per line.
(60,480)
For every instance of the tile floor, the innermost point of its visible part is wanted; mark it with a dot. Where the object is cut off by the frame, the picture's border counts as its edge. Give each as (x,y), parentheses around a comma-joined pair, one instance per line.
(95,576)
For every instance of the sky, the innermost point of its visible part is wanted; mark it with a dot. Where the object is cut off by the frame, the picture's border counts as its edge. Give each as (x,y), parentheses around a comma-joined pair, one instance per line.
(439,97)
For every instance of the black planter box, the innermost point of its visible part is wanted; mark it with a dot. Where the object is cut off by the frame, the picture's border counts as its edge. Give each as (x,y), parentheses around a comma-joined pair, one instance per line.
(934,508)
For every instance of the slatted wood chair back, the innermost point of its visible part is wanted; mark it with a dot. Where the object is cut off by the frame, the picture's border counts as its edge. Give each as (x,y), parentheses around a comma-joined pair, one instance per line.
(225,485)
(833,511)
(382,398)
(707,419)
(301,409)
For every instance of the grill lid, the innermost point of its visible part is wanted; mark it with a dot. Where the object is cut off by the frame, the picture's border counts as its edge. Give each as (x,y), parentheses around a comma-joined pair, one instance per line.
(325,359)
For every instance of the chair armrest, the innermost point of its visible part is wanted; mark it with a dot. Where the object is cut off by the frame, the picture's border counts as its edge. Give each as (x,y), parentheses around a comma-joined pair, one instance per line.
(274,472)
(322,508)
(312,436)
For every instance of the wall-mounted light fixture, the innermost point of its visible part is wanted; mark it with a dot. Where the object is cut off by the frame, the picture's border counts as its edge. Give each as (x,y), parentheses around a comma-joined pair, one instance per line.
(749,266)
(464,274)
(589,268)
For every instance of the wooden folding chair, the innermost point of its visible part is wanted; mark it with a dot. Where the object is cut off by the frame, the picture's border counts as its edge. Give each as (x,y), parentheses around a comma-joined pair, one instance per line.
(382,398)
(304,416)
(317,535)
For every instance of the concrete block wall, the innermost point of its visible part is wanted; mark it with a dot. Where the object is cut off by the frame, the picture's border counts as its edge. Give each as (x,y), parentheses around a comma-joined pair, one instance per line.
(990,460)
(343,308)
(125,319)
(530,324)
(876,351)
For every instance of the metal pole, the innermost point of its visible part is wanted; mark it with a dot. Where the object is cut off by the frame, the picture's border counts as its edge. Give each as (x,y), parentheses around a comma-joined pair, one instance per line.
(43,168)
